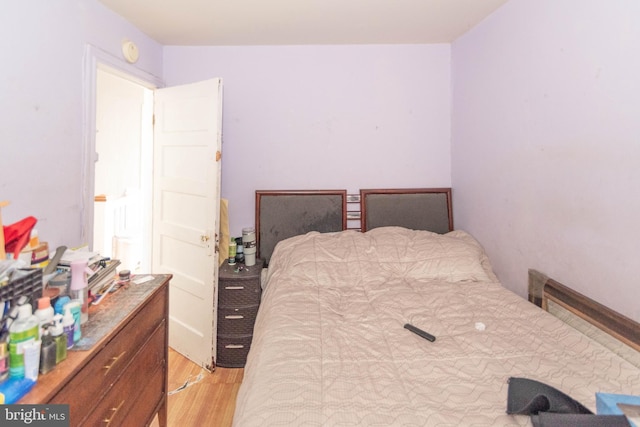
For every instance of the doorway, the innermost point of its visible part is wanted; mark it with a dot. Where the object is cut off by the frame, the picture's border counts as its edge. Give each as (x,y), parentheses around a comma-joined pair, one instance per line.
(163,159)
(123,170)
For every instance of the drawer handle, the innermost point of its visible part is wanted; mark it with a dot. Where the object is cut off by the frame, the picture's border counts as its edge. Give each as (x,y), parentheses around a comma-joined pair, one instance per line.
(234,287)
(234,316)
(107,368)
(114,411)
(234,346)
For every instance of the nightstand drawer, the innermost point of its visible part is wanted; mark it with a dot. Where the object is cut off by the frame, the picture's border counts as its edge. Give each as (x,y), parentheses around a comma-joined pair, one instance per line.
(232,350)
(239,293)
(236,321)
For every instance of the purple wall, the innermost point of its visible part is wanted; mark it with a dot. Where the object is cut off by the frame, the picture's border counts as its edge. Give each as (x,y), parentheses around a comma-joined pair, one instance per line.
(41,107)
(325,117)
(532,117)
(546,143)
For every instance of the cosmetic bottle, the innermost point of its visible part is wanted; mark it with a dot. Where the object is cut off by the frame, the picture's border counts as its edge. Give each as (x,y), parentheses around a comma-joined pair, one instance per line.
(4,361)
(79,288)
(68,325)
(47,351)
(57,332)
(75,307)
(31,352)
(58,307)
(22,331)
(44,313)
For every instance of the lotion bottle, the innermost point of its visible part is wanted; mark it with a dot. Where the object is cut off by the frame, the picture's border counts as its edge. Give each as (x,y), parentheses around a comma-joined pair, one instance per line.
(23,331)
(44,313)
(47,352)
(68,326)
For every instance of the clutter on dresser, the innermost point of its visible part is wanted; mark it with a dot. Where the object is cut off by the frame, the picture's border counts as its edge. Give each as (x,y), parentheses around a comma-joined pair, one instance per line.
(45,301)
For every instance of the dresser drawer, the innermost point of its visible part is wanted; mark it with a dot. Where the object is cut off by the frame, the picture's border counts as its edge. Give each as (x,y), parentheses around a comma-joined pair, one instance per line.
(126,401)
(97,377)
(239,293)
(236,321)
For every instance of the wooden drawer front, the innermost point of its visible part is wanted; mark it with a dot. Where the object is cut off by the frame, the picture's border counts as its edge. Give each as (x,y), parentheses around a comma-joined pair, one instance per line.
(239,293)
(105,368)
(232,350)
(144,375)
(236,321)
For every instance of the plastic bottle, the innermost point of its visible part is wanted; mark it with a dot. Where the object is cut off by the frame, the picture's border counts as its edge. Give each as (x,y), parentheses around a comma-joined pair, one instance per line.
(79,288)
(32,359)
(4,361)
(75,306)
(58,307)
(47,351)
(23,330)
(44,313)
(249,244)
(57,332)
(68,326)
(13,389)
(233,246)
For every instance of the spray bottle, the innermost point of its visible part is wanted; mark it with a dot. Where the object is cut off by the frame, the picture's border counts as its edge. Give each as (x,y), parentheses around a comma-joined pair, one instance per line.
(79,288)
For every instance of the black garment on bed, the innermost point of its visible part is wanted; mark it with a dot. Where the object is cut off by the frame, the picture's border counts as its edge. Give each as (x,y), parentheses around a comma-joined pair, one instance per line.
(548,406)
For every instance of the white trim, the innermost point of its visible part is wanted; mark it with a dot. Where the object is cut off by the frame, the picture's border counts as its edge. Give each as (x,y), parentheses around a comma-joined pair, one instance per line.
(95,58)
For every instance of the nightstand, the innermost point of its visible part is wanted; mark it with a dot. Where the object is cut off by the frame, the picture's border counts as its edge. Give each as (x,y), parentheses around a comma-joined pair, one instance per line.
(239,292)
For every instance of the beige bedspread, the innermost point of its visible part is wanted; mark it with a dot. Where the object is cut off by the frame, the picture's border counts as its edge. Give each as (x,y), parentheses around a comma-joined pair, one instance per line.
(329,347)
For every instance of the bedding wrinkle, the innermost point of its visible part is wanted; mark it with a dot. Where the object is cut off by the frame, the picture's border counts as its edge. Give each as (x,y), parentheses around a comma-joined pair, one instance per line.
(330,349)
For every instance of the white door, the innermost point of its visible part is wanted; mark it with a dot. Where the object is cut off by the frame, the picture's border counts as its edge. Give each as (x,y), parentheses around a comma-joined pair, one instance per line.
(186,207)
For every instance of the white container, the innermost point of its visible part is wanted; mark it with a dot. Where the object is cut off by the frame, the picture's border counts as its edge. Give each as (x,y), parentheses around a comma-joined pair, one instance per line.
(32,359)
(68,326)
(249,246)
(44,313)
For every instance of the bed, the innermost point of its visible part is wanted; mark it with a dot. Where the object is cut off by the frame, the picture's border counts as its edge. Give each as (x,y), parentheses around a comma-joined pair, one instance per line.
(330,347)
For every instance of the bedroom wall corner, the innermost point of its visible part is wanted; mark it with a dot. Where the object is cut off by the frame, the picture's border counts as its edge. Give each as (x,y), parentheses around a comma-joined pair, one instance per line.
(545,146)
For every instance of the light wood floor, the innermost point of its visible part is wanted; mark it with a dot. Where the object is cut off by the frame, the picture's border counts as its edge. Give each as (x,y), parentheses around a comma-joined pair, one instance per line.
(208,402)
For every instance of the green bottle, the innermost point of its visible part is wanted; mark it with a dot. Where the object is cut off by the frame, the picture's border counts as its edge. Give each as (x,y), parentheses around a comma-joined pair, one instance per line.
(23,330)
(60,338)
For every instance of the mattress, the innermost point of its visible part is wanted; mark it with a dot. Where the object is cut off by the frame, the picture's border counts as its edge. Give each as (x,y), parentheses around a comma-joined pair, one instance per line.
(329,347)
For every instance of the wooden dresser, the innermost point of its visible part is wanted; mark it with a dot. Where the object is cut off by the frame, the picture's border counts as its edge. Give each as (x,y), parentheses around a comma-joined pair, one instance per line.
(117,373)
(239,293)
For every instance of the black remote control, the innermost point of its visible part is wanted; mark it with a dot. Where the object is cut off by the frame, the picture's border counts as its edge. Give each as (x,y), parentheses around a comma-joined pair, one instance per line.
(427,336)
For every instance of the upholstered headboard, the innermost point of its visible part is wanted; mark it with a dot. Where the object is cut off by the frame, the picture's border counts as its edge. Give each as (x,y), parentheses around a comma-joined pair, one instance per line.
(281,214)
(415,208)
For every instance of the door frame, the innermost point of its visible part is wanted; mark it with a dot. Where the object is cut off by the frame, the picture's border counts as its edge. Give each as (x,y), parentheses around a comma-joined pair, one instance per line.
(95,58)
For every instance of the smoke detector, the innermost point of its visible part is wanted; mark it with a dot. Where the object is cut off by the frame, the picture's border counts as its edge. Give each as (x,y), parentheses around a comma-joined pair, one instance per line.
(130,51)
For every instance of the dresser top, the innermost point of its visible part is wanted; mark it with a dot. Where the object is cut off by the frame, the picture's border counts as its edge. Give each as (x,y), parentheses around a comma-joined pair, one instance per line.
(104,317)
(105,320)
